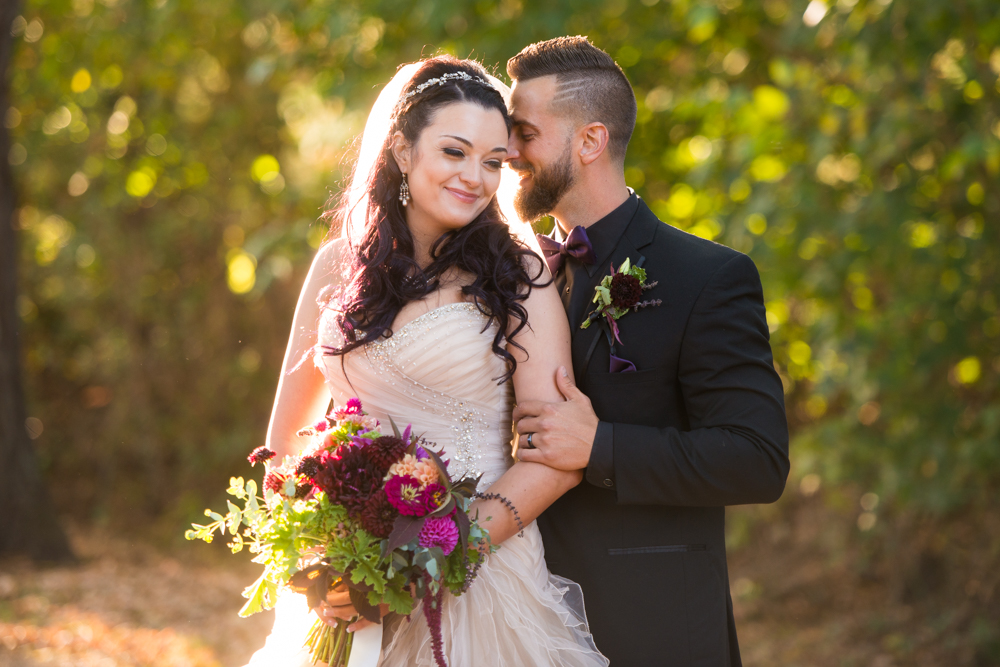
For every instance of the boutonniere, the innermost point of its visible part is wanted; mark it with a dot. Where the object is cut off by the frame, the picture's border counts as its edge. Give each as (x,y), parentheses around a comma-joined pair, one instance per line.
(619,293)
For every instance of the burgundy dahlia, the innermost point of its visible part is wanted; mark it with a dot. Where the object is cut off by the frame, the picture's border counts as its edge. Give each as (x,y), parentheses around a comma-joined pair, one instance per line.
(378,515)
(348,478)
(385,450)
(626,291)
(260,455)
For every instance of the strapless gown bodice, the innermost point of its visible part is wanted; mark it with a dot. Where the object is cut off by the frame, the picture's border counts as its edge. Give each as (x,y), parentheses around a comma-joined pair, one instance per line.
(437,372)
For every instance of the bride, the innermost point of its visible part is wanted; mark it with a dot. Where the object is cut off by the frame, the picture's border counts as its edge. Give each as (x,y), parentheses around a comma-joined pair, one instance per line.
(434,312)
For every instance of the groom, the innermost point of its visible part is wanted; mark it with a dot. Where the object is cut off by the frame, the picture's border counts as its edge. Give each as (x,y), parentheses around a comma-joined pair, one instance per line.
(679,410)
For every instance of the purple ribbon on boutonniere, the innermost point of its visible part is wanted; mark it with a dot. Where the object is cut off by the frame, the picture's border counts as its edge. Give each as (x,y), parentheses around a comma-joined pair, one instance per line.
(617,294)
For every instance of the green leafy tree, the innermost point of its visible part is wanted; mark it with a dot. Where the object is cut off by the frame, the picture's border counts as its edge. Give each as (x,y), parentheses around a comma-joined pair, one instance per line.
(174,157)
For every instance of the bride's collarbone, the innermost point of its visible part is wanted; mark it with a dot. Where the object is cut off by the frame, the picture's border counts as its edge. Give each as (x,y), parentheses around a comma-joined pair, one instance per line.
(449,293)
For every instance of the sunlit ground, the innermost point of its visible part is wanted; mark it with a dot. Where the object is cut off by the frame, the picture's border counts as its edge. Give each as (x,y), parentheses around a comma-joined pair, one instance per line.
(812,588)
(127,604)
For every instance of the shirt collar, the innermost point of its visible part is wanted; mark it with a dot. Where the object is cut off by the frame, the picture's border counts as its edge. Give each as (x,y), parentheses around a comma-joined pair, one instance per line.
(606,232)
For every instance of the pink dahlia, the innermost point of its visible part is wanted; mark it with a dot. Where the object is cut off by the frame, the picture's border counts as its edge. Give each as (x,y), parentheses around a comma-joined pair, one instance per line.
(439,532)
(405,495)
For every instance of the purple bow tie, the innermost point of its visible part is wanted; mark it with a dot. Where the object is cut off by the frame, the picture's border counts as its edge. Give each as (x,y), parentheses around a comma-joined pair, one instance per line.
(577,245)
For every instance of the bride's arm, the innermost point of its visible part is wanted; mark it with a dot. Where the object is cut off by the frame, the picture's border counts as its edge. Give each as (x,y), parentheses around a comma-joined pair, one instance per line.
(301,398)
(532,487)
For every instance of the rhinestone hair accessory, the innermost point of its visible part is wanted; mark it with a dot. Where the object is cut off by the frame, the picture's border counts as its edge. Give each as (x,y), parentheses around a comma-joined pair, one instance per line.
(443,79)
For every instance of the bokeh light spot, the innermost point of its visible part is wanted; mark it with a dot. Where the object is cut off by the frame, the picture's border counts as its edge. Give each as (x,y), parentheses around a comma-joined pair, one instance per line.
(756,224)
(81,81)
(799,352)
(968,370)
(241,273)
(810,484)
(769,102)
(264,166)
(768,168)
(140,182)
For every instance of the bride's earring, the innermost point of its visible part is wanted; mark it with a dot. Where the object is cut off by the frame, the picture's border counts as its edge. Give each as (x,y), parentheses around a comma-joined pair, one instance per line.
(404,191)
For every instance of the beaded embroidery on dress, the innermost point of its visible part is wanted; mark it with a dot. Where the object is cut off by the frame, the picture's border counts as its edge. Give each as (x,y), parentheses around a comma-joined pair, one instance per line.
(439,373)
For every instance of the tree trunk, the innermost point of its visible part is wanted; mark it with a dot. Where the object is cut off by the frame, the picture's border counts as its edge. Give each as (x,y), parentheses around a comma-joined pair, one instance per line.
(28,522)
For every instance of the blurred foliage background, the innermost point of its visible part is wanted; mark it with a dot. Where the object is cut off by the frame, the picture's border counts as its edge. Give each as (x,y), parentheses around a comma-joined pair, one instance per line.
(173,157)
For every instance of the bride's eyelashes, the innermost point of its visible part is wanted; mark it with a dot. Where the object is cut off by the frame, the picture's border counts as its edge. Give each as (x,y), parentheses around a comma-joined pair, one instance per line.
(492,164)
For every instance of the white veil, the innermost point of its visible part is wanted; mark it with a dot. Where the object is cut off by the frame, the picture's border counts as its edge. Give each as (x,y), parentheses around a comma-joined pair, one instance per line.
(377,130)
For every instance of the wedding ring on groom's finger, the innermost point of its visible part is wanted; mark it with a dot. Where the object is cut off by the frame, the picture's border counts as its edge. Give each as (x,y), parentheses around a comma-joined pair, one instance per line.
(528,444)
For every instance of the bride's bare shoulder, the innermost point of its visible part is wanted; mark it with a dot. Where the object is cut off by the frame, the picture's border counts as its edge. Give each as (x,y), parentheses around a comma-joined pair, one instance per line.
(332,260)
(332,254)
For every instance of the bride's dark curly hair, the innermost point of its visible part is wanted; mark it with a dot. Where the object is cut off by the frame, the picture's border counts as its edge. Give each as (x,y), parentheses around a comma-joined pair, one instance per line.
(383,274)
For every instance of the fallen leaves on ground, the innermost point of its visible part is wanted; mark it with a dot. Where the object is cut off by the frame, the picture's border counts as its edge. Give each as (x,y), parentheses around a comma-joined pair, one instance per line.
(127,605)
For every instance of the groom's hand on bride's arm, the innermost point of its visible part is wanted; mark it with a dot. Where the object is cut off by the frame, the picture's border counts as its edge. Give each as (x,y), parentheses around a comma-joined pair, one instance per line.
(562,433)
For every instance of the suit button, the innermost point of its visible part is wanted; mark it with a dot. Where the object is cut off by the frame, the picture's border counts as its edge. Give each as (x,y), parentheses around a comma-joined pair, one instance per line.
(608,483)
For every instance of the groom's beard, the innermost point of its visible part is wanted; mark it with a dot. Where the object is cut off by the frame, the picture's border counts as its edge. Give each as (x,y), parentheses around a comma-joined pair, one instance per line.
(547,187)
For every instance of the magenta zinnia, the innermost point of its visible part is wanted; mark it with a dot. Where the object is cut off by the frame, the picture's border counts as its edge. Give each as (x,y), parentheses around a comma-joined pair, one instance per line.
(433,496)
(404,494)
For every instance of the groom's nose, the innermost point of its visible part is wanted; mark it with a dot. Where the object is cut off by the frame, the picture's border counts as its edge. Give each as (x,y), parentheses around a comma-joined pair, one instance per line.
(512,152)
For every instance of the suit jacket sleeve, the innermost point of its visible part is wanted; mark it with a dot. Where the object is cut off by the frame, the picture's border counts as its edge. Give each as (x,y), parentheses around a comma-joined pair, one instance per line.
(737,449)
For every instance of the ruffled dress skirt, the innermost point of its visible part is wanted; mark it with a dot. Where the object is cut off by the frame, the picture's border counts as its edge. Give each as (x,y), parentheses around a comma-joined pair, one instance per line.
(515,614)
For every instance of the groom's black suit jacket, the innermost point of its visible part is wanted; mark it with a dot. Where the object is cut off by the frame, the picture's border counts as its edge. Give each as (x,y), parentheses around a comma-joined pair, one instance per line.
(699,425)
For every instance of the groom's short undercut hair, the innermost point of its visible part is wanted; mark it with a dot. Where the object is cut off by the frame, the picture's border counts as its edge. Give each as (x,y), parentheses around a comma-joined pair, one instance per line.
(590,85)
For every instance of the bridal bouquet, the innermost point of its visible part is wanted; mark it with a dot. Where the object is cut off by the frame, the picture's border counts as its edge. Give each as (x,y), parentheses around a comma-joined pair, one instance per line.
(375,513)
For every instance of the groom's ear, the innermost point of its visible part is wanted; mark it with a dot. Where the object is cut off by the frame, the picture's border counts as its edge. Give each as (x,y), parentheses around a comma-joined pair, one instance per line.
(401,151)
(595,141)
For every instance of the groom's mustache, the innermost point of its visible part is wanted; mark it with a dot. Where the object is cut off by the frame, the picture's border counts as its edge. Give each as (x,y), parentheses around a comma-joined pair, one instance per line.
(517,165)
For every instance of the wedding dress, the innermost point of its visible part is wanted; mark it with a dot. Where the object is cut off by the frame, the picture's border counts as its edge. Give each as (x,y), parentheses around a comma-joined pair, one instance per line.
(437,372)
